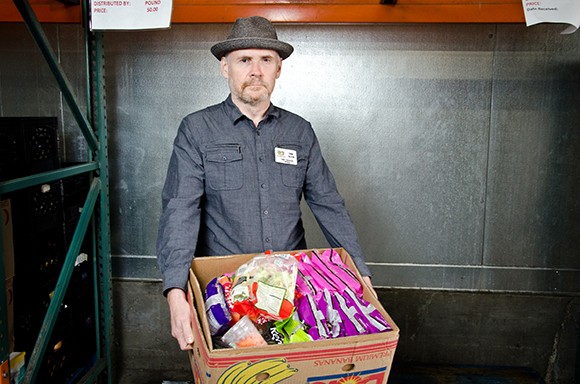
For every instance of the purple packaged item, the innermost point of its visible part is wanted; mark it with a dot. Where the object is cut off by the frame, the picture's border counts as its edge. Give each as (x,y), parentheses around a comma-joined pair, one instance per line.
(351,320)
(358,316)
(332,316)
(370,316)
(312,317)
(216,309)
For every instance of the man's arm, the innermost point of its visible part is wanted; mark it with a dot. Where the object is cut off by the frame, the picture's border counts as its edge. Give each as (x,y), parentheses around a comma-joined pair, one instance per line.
(180,216)
(181,320)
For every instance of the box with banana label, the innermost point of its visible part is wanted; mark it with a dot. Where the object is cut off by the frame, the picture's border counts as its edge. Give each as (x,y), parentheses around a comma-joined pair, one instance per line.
(362,359)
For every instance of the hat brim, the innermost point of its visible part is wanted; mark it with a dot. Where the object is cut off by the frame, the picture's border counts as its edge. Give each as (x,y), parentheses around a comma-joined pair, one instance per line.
(222,48)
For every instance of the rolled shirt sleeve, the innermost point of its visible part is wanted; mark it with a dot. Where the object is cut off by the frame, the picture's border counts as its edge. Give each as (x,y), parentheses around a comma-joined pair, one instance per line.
(181,211)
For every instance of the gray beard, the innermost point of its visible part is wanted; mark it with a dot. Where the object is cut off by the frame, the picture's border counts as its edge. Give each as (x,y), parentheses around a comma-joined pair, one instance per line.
(253,100)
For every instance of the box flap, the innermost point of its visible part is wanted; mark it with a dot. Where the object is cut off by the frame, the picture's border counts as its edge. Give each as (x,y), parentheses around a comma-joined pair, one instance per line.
(198,306)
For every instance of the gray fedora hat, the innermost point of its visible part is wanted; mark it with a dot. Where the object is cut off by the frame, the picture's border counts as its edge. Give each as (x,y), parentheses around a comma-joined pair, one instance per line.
(252,32)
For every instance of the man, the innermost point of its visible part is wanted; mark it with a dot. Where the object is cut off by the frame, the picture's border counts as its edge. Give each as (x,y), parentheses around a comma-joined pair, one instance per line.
(239,170)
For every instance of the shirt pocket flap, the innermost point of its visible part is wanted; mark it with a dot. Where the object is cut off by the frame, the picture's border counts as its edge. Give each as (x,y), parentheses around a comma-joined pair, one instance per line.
(223,157)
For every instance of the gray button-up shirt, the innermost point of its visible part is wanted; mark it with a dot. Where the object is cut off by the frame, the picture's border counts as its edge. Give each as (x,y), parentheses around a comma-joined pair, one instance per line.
(227,192)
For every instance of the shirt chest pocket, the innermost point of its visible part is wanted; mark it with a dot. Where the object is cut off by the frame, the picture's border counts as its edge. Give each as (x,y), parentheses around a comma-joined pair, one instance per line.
(223,167)
(293,175)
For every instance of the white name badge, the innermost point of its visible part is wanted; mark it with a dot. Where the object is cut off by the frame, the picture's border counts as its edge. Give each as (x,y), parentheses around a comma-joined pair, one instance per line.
(285,156)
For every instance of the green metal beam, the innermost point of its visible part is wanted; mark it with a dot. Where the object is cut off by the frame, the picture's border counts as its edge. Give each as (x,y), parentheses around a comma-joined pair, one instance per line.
(43,44)
(62,284)
(4,337)
(100,121)
(46,177)
(94,373)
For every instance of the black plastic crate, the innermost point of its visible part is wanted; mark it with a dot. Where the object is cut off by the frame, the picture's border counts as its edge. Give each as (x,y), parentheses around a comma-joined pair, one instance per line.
(28,145)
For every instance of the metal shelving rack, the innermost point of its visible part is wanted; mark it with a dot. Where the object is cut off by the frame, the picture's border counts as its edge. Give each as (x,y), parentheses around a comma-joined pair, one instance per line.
(95,212)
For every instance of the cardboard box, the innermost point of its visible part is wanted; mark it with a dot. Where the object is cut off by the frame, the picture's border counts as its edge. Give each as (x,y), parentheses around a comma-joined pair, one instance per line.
(17,368)
(10,312)
(364,359)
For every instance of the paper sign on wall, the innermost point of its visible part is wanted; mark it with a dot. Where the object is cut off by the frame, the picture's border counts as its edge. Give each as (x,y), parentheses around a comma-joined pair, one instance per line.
(130,14)
(553,11)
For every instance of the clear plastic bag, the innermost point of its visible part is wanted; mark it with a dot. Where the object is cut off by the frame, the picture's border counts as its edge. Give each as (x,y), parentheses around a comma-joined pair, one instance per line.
(264,287)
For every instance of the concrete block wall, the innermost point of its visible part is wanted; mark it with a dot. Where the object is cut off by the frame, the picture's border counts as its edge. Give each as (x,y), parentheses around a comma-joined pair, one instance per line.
(437,327)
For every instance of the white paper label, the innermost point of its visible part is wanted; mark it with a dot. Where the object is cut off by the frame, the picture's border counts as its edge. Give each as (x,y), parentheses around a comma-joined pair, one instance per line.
(269,298)
(553,11)
(130,14)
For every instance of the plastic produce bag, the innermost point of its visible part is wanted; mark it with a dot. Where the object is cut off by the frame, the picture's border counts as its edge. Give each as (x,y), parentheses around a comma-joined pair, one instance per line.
(264,287)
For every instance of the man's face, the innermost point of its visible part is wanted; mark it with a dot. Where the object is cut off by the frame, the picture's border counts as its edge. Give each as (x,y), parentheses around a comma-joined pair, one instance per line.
(251,74)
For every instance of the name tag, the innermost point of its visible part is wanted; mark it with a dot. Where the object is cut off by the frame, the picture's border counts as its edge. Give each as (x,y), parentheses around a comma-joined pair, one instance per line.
(285,156)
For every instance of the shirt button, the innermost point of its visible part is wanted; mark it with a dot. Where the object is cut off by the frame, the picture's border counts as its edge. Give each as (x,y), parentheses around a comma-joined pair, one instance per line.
(266,212)
(263,186)
(224,158)
(267,239)
(261,158)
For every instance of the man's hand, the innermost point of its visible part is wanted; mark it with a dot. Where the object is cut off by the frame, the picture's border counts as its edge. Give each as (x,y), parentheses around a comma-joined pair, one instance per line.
(180,318)
(369,284)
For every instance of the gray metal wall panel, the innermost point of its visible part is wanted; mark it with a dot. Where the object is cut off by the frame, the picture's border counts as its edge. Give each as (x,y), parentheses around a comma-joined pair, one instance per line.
(28,88)
(402,116)
(414,111)
(533,203)
(454,145)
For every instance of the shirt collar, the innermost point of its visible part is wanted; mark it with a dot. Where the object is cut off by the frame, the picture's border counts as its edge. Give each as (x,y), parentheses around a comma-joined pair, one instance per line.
(235,115)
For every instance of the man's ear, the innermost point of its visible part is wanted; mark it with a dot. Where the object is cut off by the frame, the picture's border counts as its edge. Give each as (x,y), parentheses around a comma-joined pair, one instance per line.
(279,69)
(224,67)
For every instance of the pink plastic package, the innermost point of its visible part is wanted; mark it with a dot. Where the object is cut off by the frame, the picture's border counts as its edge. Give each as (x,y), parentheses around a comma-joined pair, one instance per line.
(325,271)
(330,303)
(340,275)
(315,280)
